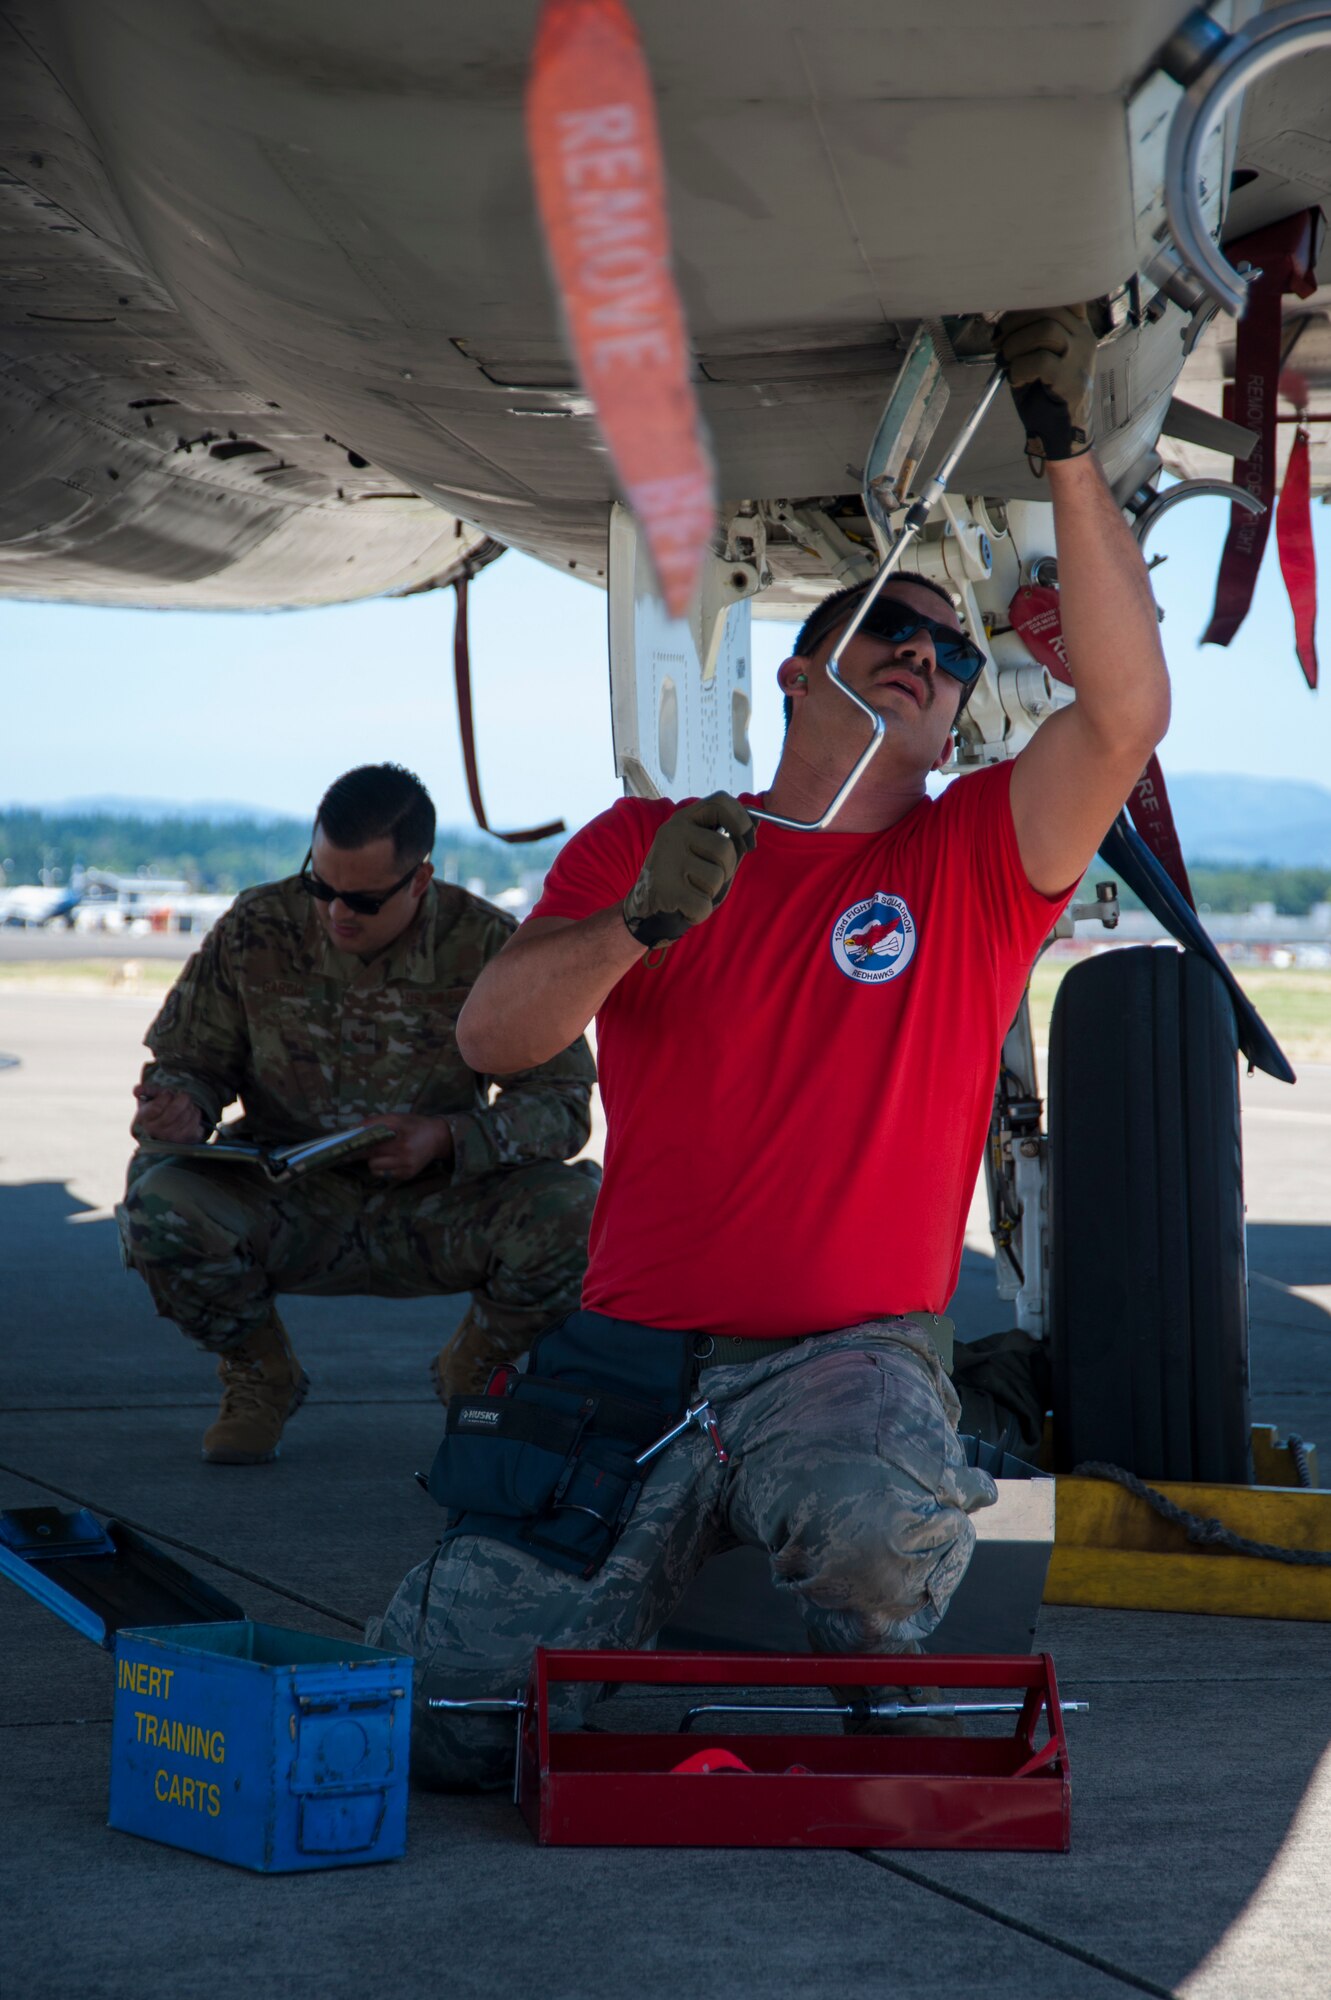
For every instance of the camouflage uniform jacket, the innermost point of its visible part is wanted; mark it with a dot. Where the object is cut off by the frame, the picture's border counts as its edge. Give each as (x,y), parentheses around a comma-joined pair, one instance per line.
(312,1039)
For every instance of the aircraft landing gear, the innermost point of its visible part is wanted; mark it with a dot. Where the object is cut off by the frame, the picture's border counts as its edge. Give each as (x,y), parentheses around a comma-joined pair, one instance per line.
(1149,1292)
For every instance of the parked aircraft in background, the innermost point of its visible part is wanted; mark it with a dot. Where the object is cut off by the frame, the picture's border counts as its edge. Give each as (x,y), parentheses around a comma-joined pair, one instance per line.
(98,898)
(34,903)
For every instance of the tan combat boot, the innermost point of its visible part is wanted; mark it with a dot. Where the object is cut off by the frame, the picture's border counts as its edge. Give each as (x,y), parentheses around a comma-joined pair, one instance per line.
(263,1384)
(466,1361)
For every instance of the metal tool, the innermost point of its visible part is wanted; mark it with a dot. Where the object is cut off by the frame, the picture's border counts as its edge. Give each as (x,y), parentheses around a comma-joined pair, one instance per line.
(869,1711)
(909,531)
(704,1416)
(514,1704)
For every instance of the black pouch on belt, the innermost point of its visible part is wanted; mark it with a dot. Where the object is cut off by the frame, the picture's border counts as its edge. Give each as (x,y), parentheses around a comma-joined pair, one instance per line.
(545,1460)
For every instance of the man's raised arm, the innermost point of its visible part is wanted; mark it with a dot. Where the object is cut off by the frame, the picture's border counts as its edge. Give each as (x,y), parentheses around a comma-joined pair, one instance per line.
(1073,777)
(539,993)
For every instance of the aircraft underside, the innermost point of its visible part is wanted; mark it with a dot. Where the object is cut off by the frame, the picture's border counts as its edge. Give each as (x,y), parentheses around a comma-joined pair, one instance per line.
(278,326)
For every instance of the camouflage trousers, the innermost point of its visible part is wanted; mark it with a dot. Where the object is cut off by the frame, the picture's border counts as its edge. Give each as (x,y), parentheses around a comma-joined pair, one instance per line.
(215,1245)
(844,1465)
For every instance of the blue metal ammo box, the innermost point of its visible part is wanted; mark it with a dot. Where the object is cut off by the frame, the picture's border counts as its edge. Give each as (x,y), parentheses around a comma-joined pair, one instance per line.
(271,1749)
(276,1750)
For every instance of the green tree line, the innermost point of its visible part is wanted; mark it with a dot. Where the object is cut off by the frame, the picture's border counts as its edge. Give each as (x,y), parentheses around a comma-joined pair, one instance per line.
(1292,890)
(224,855)
(1229,891)
(219,855)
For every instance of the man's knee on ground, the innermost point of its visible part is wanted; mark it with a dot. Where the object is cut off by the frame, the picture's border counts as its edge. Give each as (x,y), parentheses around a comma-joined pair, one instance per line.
(887,1564)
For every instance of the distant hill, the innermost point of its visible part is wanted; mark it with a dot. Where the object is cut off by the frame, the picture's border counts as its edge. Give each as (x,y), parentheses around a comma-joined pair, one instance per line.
(1275,822)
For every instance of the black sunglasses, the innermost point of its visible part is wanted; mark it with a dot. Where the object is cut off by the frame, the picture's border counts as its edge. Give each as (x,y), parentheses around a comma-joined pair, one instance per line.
(890,620)
(360,901)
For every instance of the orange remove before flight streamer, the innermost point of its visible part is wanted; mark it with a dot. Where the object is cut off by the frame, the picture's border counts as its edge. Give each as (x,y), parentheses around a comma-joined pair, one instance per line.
(600,190)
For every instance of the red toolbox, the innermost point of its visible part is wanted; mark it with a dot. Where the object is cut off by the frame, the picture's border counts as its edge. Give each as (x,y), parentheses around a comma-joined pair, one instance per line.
(579,1787)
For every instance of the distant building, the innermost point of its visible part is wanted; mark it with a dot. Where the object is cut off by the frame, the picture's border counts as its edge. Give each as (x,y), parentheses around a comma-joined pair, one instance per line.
(140,904)
(1259,936)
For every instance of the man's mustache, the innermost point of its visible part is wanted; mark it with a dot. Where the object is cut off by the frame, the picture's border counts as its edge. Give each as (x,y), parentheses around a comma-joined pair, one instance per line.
(923,680)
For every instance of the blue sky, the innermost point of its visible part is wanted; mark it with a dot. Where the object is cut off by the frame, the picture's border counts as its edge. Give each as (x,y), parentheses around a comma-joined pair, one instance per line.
(266,708)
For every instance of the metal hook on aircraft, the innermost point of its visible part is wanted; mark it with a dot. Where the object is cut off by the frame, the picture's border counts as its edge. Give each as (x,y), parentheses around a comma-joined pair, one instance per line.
(1192,489)
(1215,69)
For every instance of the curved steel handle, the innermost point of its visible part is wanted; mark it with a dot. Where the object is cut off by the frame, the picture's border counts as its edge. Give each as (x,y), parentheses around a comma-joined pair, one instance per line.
(866,755)
(1193,489)
(1264,44)
(912,527)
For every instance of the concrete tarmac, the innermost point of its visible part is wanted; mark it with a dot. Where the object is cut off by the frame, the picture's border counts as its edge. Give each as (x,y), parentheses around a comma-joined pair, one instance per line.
(53,944)
(1202,1783)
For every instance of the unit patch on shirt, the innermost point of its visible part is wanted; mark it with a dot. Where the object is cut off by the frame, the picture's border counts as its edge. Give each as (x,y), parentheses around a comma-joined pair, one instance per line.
(874,941)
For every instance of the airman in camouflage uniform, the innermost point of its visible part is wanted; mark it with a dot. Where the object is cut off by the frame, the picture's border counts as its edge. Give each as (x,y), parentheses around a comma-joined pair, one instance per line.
(843,1462)
(313,1039)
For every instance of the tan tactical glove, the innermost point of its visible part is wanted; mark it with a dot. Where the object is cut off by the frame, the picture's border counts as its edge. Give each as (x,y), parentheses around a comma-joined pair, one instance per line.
(689,868)
(1050,359)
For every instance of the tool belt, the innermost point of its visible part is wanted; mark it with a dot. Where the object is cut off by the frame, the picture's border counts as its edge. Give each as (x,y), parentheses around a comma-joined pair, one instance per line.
(545,1460)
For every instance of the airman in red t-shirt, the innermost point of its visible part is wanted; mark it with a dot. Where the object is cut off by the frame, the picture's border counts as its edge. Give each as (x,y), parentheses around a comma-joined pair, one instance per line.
(798,1038)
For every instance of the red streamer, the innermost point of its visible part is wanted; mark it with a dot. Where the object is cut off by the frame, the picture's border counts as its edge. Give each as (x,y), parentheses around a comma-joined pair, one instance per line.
(1284,253)
(600,189)
(1298,558)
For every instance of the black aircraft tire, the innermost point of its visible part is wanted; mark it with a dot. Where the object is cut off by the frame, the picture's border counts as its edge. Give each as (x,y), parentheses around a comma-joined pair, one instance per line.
(1148,1271)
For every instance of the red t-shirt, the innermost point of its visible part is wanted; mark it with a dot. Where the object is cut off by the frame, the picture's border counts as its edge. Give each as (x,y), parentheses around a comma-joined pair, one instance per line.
(797,1095)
